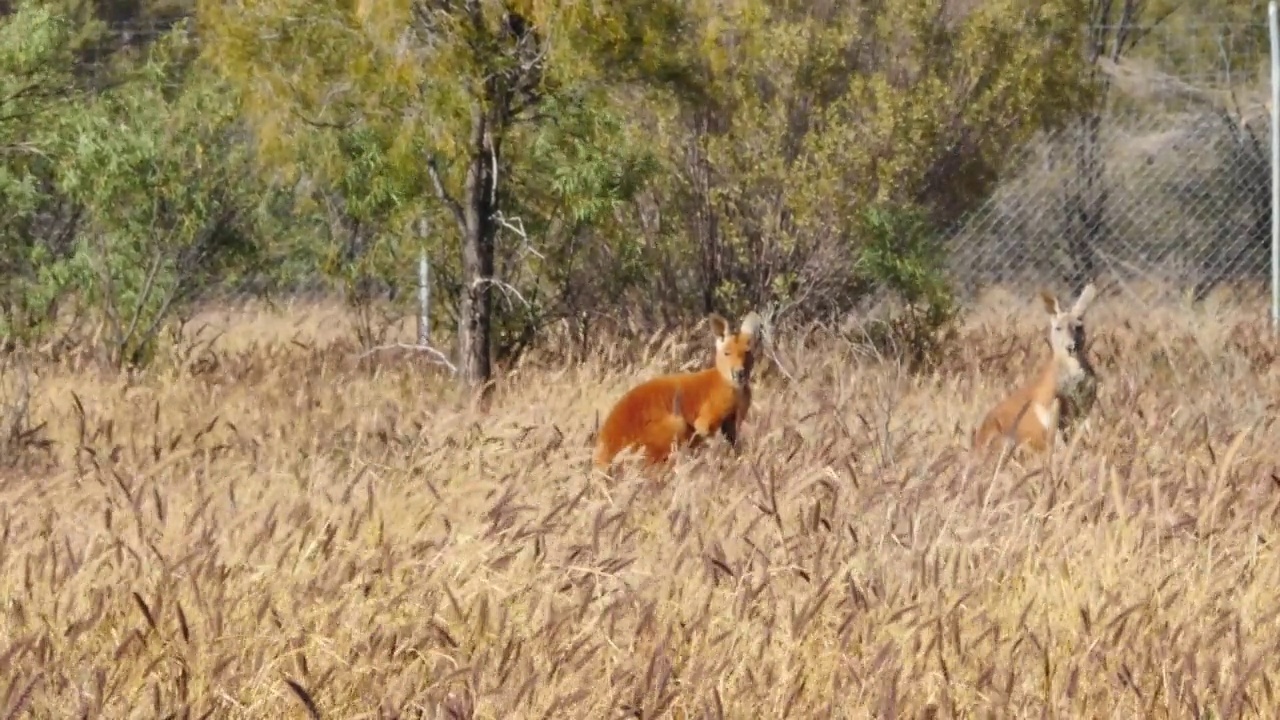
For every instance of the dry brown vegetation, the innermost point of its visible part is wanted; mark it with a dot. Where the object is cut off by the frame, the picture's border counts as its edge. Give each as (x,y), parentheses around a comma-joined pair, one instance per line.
(268,525)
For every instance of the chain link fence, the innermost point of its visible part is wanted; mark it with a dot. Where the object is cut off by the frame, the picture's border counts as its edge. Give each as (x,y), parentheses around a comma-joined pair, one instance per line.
(1167,192)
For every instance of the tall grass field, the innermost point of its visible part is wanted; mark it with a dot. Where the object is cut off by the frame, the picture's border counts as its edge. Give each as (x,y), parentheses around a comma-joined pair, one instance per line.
(266,524)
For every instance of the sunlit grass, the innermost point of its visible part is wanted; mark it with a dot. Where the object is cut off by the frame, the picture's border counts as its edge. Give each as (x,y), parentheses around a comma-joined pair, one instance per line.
(268,511)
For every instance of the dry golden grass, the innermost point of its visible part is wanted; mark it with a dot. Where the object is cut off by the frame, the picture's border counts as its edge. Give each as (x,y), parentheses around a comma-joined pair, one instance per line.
(270,525)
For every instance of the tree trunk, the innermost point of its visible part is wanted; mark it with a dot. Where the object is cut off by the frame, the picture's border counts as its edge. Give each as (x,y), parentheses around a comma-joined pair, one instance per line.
(703,216)
(479,201)
(1087,205)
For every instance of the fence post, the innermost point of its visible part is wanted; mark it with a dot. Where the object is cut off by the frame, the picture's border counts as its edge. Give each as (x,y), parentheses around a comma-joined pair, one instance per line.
(1273,24)
(424,299)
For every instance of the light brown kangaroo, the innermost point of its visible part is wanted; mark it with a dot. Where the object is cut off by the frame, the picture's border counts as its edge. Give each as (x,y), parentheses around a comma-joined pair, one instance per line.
(1061,393)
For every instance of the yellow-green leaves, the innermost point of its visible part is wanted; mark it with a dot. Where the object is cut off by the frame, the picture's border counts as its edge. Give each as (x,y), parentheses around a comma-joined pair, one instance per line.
(808,113)
(36,88)
(762,128)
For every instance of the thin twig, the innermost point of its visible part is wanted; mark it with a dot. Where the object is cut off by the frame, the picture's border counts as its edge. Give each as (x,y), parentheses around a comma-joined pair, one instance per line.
(516,225)
(508,291)
(435,355)
(140,305)
(452,204)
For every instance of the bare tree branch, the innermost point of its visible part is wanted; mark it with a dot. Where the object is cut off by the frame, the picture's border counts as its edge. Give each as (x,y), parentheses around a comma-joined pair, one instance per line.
(452,204)
(333,90)
(507,290)
(140,304)
(433,354)
(322,124)
(516,225)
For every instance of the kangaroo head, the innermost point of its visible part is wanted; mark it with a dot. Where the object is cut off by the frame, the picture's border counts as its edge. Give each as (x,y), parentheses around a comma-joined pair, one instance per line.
(735,351)
(1066,329)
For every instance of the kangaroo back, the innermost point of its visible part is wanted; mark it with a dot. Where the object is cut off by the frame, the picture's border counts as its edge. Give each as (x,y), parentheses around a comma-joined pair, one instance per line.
(656,434)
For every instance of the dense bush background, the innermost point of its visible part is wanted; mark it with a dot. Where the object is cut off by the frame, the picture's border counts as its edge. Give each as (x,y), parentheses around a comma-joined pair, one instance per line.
(583,168)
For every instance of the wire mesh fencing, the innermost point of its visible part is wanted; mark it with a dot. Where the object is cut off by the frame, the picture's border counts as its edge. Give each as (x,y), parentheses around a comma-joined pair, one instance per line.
(1167,193)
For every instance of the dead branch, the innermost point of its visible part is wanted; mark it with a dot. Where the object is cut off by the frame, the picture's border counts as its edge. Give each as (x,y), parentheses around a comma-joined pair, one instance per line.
(323,124)
(507,290)
(452,204)
(516,226)
(433,354)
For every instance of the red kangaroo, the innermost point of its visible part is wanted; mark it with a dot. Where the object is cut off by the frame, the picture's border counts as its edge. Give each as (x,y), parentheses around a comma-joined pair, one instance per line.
(686,407)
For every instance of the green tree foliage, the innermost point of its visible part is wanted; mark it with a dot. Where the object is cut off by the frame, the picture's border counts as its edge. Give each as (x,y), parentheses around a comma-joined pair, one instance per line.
(1225,41)
(125,191)
(455,106)
(816,111)
(162,219)
(669,156)
(902,253)
(559,161)
(36,229)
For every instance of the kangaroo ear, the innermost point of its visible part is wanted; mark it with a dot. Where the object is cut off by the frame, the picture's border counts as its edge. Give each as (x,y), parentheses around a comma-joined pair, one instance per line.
(1050,302)
(751,325)
(719,326)
(1082,302)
